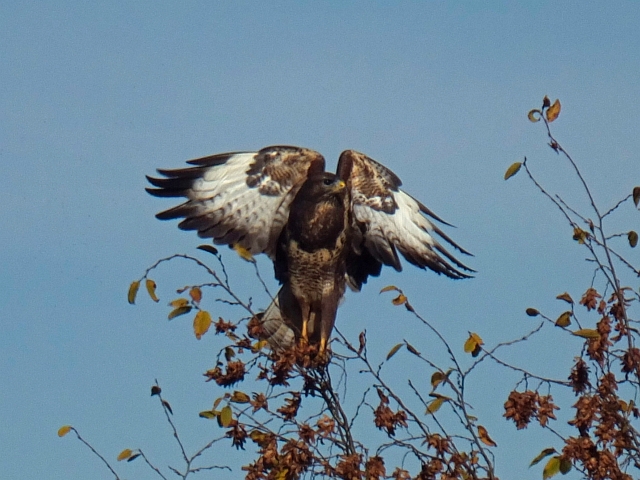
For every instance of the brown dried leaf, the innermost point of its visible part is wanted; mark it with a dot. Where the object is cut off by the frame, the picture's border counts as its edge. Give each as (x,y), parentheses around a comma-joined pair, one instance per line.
(532,312)
(566,297)
(636,195)
(196,294)
(633,239)
(485,438)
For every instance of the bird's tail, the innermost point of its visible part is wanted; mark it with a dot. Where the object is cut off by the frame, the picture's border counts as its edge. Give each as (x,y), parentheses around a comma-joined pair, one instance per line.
(281,322)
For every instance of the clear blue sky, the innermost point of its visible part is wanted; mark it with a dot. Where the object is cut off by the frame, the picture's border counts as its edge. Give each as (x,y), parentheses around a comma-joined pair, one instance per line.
(97,94)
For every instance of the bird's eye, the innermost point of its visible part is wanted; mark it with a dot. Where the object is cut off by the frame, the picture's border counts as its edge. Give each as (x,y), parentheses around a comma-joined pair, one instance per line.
(328,181)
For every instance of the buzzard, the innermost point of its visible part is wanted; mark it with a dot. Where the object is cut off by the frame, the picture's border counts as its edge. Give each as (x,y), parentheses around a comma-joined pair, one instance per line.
(322,231)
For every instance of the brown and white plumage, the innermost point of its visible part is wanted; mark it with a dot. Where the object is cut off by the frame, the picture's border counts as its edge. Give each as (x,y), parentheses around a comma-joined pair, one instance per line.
(323,231)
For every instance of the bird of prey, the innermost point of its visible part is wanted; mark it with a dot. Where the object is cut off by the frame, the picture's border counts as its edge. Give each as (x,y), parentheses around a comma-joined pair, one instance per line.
(323,231)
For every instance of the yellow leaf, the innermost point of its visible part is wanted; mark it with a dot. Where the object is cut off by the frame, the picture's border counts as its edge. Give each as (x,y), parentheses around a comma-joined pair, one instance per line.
(209,414)
(179,302)
(399,300)
(566,297)
(485,438)
(564,320)
(437,378)
(201,323)
(226,416)
(151,289)
(586,333)
(282,474)
(259,345)
(512,170)
(633,238)
(388,288)
(394,350)
(196,294)
(580,235)
(124,454)
(472,343)
(553,111)
(261,438)
(534,115)
(133,291)
(240,397)
(178,311)
(62,431)
(544,453)
(244,253)
(218,400)
(435,405)
(551,468)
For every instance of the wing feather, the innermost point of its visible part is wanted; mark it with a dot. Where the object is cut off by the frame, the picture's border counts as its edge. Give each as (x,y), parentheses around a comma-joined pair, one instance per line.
(238,198)
(392,221)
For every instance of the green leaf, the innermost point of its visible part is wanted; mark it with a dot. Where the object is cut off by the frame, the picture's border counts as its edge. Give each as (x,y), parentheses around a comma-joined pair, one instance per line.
(551,468)
(543,454)
(226,416)
(565,466)
(210,414)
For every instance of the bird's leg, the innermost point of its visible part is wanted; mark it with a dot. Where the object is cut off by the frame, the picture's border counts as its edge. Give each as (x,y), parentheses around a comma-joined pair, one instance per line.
(306,313)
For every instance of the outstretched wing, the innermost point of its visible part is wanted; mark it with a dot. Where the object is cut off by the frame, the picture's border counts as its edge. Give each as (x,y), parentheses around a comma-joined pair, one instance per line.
(390,221)
(238,198)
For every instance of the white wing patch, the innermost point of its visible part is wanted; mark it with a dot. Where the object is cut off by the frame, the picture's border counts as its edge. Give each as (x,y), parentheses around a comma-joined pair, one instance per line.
(234,212)
(408,231)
